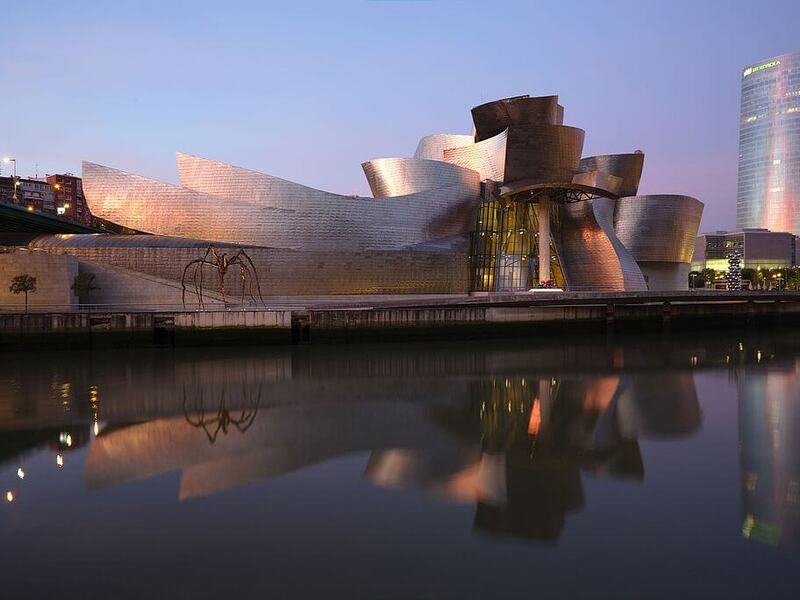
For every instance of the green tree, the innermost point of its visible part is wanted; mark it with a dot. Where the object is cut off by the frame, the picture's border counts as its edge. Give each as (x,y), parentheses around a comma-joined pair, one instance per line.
(793,278)
(23,284)
(761,277)
(83,285)
(777,278)
(749,275)
(708,276)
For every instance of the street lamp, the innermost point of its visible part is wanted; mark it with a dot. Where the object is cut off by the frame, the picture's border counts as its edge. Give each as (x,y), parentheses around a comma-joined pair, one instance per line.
(8,159)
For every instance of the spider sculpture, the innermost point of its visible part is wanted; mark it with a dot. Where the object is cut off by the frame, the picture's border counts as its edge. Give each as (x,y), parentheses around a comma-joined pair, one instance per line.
(221,262)
(222,420)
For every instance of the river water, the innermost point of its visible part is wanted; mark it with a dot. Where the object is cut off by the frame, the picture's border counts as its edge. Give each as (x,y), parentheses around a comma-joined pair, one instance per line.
(640,467)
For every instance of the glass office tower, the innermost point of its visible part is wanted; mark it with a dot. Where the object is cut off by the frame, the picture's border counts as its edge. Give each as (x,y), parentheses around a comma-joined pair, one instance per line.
(769,145)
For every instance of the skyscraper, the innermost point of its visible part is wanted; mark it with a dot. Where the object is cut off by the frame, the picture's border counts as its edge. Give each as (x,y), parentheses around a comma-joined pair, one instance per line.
(769,145)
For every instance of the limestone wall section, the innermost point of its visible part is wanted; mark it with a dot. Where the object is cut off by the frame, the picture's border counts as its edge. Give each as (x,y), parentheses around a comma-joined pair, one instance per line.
(118,286)
(54,277)
(289,272)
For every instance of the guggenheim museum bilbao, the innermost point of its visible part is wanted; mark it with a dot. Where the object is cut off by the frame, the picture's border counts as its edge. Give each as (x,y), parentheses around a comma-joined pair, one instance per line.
(512,207)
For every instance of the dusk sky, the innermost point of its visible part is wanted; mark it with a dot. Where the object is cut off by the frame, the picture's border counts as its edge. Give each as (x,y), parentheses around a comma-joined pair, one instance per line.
(308,91)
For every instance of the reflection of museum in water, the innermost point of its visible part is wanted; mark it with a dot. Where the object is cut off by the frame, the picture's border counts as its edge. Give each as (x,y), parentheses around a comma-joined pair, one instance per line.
(516,446)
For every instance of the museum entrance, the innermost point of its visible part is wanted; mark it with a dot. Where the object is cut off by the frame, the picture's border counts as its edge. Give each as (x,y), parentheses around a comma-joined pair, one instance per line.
(505,248)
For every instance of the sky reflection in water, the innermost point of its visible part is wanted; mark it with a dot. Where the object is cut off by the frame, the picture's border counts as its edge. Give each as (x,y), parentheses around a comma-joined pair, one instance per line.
(627,468)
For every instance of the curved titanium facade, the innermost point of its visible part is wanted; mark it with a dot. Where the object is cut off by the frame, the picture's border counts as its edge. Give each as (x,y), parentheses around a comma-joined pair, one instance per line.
(390,177)
(592,258)
(493,117)
(660,232)
(112,241)
(626,166)
(631,274)
(660,228)
(225,203)
(543,153)
(432,147)
(769,146)
(487,157)
(607,185)
(541,159)
(514,190)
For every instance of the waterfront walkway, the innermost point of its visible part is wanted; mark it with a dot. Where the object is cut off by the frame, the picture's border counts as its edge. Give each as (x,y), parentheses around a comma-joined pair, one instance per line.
(305,319)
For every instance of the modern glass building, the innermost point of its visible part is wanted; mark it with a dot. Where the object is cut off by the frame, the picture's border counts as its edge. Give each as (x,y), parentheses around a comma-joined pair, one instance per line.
(769,146)
(758,249)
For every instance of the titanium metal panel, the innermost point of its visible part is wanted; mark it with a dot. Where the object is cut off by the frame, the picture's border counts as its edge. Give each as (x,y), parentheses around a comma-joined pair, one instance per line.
(342,222)
(627,166)
(546,153)
(224,203)
(659,228)
(493,117)
(487,157)
(631,273)
(592,258)
(666,276)
(609,184)
(390,177)
(432,147)
(113,240)
(154,207)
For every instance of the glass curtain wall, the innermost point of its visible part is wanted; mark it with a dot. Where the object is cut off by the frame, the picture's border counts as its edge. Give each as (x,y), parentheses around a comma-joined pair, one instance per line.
(504,253)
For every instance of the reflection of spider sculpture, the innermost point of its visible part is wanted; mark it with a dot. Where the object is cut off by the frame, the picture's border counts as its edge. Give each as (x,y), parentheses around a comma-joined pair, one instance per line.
(221,262)
(222,420)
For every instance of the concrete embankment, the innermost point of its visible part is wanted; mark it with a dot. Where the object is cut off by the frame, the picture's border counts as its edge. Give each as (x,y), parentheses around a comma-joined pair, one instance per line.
(320,320)
(121,329)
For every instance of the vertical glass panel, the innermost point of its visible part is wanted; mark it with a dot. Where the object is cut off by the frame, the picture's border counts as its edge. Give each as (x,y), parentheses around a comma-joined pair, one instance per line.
(504,248)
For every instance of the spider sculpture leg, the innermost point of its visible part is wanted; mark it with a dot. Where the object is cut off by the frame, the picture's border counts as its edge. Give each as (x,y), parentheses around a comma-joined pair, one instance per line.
(243,276)
(252,267)
(190,265)
(248,274)
(201,413)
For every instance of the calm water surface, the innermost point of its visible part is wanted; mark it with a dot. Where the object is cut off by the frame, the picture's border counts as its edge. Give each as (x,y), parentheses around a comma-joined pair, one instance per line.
(639,468)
